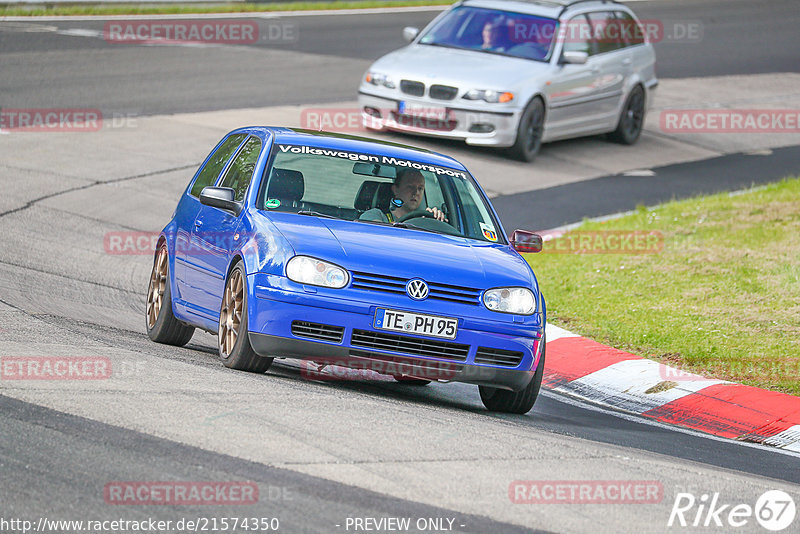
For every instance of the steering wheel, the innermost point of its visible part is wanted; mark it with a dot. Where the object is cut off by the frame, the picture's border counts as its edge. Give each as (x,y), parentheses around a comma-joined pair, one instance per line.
(415,214)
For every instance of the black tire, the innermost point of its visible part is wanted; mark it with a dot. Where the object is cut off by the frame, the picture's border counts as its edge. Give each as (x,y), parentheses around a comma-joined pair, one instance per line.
(631,120)
(162,326)
(529,132)
(411,381)
(519,402)
(233,342)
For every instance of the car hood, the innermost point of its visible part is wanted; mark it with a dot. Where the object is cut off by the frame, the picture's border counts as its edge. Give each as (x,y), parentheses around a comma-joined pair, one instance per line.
(467,69)
(405,252)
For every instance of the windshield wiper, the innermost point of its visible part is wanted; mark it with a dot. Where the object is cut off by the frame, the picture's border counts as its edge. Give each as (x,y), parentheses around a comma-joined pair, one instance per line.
(383,223)
(316,214)
(431,230)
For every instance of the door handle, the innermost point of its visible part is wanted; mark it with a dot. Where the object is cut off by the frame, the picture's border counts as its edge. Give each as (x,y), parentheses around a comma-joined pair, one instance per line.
(198,224)
(627,61)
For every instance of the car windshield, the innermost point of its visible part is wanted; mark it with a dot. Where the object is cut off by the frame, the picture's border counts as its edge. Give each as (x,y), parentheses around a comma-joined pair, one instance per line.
(353,186)
(495,32)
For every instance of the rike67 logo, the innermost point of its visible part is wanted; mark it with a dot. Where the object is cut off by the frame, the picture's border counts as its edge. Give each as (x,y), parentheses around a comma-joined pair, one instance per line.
(774,510)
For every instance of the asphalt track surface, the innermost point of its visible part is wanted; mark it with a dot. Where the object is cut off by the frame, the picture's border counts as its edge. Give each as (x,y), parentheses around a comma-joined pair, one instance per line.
(339,449)
(323,58)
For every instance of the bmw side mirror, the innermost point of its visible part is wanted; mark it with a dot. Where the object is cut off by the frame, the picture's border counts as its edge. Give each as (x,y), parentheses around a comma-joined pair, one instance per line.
(410,33)
(525,241)
(220,197)
(574,57)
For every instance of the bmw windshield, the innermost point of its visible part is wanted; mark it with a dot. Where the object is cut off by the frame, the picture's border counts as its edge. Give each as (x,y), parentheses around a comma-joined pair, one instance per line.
(495,32)
(376,189)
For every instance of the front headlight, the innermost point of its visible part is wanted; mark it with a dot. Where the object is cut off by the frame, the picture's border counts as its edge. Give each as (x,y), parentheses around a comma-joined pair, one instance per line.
(314,272)
(376,78)
(489,95)
(518,300)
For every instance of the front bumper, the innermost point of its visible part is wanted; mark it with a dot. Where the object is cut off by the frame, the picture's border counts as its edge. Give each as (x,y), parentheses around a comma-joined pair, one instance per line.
(339,331)
(461,124)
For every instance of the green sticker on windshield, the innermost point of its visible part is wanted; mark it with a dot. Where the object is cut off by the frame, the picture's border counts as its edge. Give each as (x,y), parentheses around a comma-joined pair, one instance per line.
(273,203)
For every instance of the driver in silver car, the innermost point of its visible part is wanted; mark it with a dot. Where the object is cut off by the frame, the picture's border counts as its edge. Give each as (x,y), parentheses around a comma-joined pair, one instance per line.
(408,190)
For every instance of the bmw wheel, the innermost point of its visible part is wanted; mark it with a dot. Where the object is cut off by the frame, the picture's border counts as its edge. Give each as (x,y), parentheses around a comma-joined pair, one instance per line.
(235,350)
(529,132)
(162,326)
(520,402)
(631,120)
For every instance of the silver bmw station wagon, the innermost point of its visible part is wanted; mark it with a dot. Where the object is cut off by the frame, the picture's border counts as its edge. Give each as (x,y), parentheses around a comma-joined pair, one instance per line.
(515,74)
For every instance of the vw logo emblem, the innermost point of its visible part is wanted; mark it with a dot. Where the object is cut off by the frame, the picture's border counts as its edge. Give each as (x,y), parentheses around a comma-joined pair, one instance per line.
(417,289)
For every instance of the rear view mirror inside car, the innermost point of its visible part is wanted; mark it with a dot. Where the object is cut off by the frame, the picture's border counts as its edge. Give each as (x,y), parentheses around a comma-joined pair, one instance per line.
(374,169)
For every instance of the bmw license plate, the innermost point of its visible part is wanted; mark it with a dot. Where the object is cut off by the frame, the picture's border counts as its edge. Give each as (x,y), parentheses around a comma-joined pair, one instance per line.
(416,323)
(422,111)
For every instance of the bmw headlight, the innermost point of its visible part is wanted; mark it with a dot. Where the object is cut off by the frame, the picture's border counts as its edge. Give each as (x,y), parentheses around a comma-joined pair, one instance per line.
(489,95)
(376,78)
(314,272)
(518,300)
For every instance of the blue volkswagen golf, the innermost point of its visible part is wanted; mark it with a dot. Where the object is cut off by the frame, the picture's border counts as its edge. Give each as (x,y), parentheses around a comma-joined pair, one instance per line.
(347,251)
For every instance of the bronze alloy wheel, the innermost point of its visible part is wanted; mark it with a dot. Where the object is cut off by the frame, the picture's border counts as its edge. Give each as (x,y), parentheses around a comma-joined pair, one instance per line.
(234,346)
(230,317)
(162,325)
(155,291)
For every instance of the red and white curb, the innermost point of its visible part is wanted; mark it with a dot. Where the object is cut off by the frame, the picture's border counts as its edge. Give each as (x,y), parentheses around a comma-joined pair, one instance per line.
(589,370)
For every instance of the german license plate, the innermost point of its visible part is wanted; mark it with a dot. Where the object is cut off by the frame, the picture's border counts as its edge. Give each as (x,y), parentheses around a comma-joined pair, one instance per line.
(416,323)
(422,110)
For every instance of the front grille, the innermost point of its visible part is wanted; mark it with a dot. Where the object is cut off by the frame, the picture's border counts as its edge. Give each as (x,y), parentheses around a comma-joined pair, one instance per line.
(409,345)
(511,358)
(413,88)
(397,285)
(442,92)
(322,332)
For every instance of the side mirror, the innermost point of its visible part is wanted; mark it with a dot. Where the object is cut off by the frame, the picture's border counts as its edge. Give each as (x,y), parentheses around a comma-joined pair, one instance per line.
(574,57)
(410,33)
(220,197)
(525,241)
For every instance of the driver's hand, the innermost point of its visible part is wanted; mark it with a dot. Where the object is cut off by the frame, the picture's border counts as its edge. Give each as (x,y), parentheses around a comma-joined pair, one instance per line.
(438,214)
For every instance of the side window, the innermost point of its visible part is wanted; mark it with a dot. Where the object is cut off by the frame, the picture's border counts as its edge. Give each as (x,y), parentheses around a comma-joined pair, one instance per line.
(479,223)
(605,31)
(433,192)
(578,35)
(209,174)
(240,173)
(632,31)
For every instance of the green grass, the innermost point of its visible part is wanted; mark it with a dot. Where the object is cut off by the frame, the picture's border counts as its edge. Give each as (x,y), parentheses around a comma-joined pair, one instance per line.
(236,7)
(722,298)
